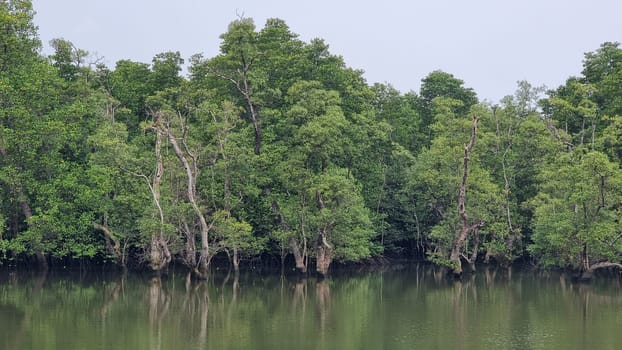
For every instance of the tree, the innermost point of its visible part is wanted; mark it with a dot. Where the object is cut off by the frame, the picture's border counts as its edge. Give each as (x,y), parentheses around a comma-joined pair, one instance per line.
(313,141)
(118,198)
(572,107)
(520,144)
(438,183)
(159,253)
(236,65)
(610,140)
(67,58)
(130,84)
(19,43)
(442,84)
(603,70)
(234,233)
(237,236)
(282,61)
(340,218)
(189,159)
(402,113)
(44,123)
(577,213)
(466,227)
(165,69)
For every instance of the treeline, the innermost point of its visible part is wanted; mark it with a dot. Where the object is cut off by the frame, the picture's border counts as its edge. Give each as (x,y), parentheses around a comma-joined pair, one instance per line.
(275,149)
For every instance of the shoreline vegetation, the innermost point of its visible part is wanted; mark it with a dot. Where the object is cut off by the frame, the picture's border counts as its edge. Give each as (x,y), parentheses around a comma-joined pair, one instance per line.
(275,152)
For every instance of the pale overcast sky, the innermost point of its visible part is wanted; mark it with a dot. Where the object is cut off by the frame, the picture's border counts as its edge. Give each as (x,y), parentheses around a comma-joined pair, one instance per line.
(490,44)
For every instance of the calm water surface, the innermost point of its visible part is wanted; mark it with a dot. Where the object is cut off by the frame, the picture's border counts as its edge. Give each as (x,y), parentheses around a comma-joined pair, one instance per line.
(414,308)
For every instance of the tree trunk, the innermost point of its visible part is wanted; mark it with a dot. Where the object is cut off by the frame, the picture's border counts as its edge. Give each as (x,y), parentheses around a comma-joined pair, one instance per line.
(298,256)
(160,255)
(42,260)
(588,274)
(488,255)
(603,265)
(324,255)
(191,173)
(113,245)
(473,258)
(465,228)
(190,251)
(256,125)
(294,246)
(236,260)
(593,131)
(585,261)
(556,134)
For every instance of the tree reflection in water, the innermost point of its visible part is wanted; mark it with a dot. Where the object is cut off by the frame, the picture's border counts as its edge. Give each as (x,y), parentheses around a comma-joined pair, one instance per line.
(418,308)
(323,302)
(159,303)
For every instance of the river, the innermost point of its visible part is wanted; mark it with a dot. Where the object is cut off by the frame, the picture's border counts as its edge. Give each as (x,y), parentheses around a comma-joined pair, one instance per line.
(411,308)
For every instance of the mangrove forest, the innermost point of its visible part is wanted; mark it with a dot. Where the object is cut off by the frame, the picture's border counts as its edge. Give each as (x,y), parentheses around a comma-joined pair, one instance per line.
(275,152)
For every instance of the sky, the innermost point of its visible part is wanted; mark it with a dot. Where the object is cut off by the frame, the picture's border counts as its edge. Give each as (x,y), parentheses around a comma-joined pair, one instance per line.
(490,44)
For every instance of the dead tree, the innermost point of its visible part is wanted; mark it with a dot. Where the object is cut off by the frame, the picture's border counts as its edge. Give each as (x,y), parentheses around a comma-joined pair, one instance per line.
(466,227)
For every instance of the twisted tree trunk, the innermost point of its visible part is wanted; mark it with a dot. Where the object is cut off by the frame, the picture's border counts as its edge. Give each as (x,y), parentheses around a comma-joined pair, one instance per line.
(192,171)
(465,227)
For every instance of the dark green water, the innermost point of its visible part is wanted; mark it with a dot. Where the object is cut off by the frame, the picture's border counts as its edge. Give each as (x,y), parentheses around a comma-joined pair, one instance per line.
(416,308)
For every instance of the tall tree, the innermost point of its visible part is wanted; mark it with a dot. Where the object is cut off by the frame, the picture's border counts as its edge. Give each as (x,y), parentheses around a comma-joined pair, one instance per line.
(236,66)
(439,185)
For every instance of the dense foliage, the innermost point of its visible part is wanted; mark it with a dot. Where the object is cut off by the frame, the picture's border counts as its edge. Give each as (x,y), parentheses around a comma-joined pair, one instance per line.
(274,148)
